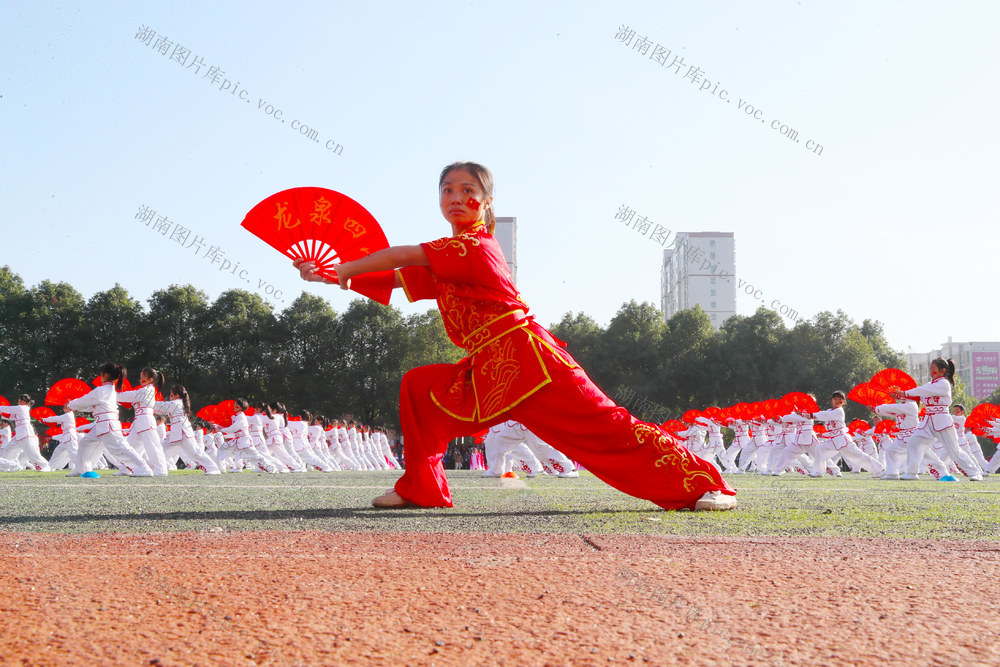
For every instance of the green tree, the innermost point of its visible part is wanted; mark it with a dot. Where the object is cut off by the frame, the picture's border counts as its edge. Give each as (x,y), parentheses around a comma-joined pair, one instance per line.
(374,338)
(172,334)
(112,329)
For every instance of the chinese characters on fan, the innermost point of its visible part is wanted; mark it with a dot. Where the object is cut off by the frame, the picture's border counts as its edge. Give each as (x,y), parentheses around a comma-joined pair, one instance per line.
(665,58)
(642,224)
(689,611)
(183,57)
(213,614)
(184,237)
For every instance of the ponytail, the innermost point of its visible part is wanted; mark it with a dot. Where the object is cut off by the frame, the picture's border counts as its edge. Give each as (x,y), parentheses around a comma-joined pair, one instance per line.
(115,374)
(27,399)
(156,376)
(182,394)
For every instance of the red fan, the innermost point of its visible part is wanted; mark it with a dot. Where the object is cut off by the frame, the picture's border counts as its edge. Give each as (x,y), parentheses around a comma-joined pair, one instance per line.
(66,390)
(479,437)
(715,414)
(322,226)
(892,379)
(53,430)
(772,408)
(739,411)
(126,425)
(249,412)
(126,385)
(4,401)
(801,401)
(690,416)
(42,411)
(887,426)
(207,413)
(858,425)
(819,428)
(295,419)
(869,396)
(224,413)
(80,421)
(674,426)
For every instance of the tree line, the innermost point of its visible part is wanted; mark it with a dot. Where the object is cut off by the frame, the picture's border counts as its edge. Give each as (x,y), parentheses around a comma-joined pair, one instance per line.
(351,363)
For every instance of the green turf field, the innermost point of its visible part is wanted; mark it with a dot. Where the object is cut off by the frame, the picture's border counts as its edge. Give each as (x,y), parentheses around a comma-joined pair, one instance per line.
(853,506)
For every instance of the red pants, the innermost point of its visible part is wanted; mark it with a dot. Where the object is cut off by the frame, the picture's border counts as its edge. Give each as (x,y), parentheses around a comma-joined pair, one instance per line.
(571,414)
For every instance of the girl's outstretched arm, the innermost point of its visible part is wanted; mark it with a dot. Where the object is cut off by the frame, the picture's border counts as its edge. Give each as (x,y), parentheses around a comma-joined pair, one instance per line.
(386,259)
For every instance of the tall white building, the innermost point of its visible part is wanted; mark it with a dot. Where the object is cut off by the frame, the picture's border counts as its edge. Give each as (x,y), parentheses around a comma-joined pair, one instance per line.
(699,270)
(505,233)
(977,363)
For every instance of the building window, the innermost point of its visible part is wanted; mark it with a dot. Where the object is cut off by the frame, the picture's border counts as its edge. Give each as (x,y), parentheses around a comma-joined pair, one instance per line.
(713,316)
(713,256)
(712,242)
(713,291)
(713,304)
(711,281)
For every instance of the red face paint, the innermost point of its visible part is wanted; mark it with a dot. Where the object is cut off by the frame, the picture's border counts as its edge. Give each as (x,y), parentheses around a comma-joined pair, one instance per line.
(473,204)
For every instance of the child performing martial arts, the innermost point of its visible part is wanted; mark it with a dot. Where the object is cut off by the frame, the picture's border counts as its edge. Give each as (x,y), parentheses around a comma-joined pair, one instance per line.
(515,369)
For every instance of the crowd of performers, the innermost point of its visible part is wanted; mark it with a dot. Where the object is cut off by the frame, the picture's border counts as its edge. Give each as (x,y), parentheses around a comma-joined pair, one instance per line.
(263,437)
(905,438)
(915,430)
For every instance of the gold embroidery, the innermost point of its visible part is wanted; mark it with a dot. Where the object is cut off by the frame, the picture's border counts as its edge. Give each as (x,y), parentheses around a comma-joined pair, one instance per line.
(455,242)
(674,456)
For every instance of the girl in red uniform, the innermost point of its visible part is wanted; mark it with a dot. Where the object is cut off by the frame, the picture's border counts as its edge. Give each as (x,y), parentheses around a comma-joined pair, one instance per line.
(515,369)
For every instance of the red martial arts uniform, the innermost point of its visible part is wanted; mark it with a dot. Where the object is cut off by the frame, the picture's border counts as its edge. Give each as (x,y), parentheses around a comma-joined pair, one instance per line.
(517,370)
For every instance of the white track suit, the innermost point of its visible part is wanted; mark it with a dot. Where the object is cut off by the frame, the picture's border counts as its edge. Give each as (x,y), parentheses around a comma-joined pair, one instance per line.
(244,449)
(68,441)
(512,440)
(836,440)
(106,432)
(25,439)
(937,425)
(181,438)
(143,435)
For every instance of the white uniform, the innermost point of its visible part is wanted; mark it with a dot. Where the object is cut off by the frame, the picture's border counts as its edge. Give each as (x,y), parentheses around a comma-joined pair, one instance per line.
(143,436)
(511,441)
(804,441)
(106,432)
(243,449)
(299,431)
(68,441)
(967,440)
(25,439)
(835,441)
(937,425)
(180,438)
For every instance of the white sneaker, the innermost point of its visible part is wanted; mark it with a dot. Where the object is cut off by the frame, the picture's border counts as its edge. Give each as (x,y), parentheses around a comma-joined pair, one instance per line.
(887,475)
(976,478)
(715,500)
(141,474)
(909,477)
(568,474)
(489,474)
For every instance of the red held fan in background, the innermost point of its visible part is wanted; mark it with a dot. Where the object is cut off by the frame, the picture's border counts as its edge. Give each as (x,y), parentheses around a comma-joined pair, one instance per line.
(868,396)
(66,390)
(4,401)
(892,379)
(801,401)
(41,411)
(324,227)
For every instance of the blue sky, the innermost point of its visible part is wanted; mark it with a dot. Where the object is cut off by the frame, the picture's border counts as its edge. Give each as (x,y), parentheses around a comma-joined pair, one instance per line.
(892,221)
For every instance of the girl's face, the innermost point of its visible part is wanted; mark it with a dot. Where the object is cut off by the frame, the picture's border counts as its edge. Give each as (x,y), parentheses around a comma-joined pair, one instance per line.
(144,380)
(936,372)
(174,396)
(462,200)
